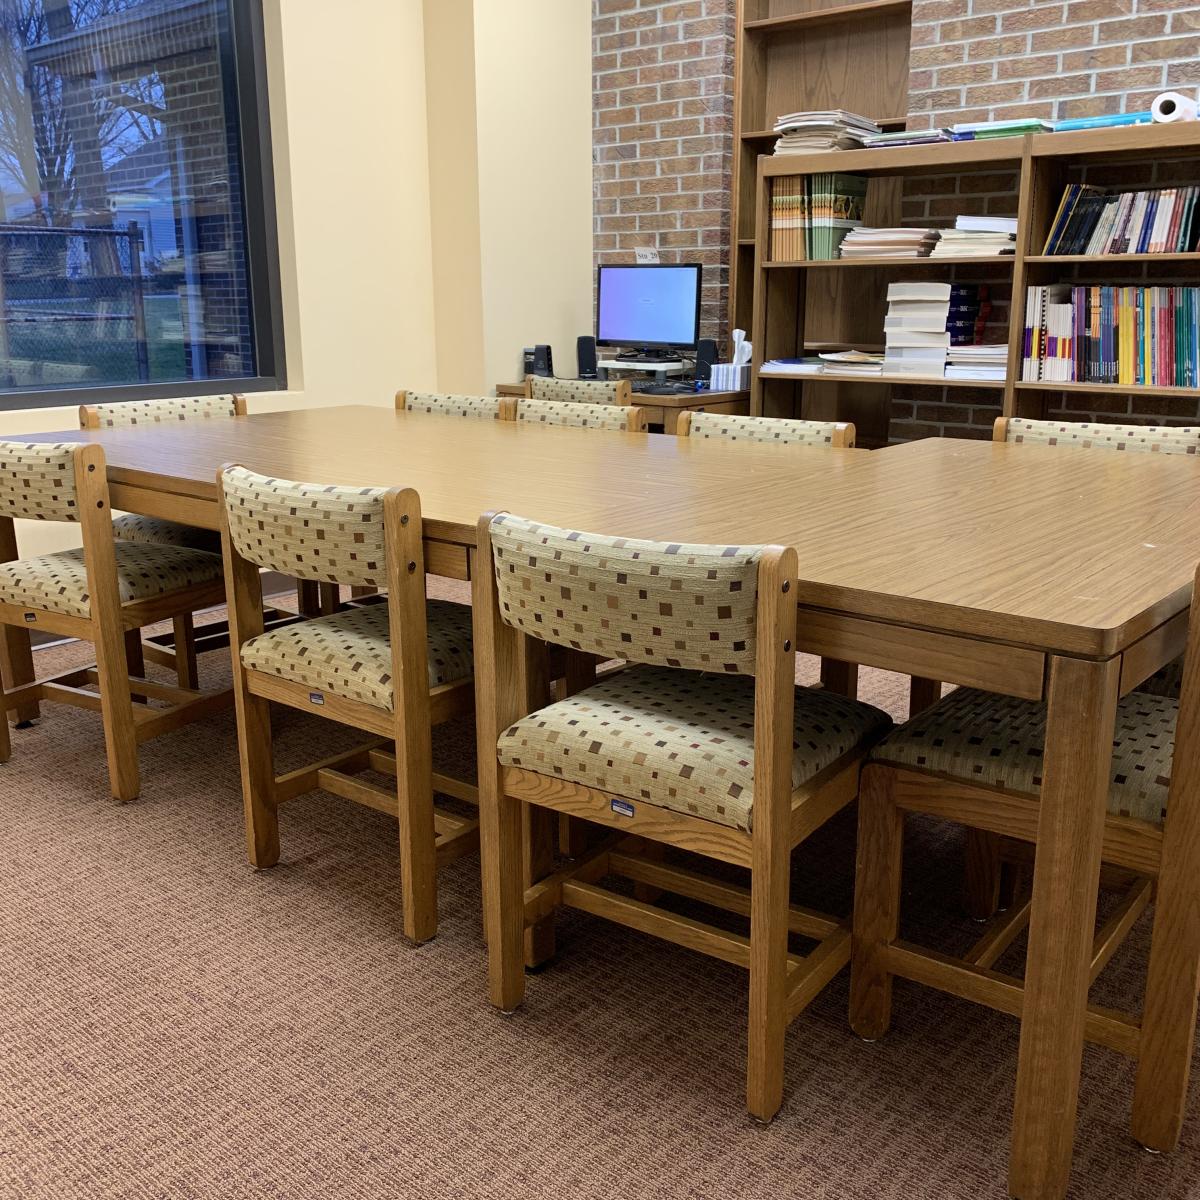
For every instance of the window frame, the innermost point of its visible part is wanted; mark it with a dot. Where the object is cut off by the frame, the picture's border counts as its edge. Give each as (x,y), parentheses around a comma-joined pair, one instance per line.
(244,80)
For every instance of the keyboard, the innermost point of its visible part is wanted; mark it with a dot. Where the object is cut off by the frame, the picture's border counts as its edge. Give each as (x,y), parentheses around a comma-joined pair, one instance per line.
(661,389)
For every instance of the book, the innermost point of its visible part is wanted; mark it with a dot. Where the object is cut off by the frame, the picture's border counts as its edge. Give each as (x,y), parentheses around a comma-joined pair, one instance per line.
(788,367)
(1066,124)
(1092,221)
(971,130)
(918,290)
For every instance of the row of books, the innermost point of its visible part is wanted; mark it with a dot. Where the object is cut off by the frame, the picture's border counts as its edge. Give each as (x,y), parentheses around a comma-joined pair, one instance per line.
(1092,220)
(1140,336)
(811,214)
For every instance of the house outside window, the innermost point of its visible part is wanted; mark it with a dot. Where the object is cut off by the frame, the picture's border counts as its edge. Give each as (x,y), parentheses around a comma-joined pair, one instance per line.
(137,240)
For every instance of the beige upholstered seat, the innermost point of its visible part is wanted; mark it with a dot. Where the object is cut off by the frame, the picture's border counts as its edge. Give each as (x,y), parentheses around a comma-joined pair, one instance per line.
(578,391)
(997,742)
(683,740)
(451,405)
(157,412)
(58,582)
(770,429)
(349,654)
(585,416)
(157,531)
(1155,439)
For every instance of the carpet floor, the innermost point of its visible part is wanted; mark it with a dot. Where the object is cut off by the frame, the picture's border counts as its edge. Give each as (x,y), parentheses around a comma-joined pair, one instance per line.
(173,1024)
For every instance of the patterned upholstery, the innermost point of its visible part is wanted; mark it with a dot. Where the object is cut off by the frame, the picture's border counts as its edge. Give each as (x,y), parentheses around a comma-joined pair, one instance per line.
(58,582)
(37,481)
(574,391)
(997,741)
(157,531)
(560,412)
(656,602)
(762,429)
(307,530)
(680,740)
(453,406)
(153,412)
(350,654)
(1158,439)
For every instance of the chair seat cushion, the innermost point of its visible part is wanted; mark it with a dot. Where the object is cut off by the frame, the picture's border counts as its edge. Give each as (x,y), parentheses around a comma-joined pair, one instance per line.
(159,532)
(997,742)
(683,740)
(349,654)
(58,582)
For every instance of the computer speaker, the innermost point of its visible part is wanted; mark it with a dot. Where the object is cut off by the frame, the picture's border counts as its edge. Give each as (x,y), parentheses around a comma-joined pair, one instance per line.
(543,361)
(706,355)
(585,349)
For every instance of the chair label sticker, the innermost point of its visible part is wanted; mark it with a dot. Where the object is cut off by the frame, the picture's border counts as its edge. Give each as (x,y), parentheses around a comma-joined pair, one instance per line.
(30,618)
(622,808)
(316,697)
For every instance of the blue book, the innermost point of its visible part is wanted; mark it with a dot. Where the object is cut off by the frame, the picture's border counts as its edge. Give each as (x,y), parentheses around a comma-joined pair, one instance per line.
(1104,122)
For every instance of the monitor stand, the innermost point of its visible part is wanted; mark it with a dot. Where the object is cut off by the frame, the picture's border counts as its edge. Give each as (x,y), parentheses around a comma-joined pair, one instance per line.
(646,355)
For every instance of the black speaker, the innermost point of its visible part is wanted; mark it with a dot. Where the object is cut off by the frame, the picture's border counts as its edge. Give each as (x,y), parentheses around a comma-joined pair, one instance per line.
(585,350)
(543,361)
(706,355)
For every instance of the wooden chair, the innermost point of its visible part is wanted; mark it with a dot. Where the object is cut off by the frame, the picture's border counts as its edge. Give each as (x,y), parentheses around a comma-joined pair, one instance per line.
(105,593)
(975,758)
(628,418)
(579,391)
(765,429)
(495,408)
(703,735)
(392,669)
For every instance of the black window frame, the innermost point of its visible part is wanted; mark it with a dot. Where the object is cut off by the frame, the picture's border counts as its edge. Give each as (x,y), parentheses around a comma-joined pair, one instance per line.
(244,77)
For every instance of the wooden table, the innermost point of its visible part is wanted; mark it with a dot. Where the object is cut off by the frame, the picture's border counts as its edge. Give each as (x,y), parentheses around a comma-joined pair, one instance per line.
(1026,570)
(666,410)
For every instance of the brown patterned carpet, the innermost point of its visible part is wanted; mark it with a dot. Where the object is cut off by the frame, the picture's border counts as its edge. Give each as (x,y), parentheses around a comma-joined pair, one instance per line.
(174,1025)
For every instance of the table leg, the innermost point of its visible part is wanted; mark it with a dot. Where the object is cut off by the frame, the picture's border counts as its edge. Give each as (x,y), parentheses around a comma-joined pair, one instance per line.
(1079,729)
(840,677)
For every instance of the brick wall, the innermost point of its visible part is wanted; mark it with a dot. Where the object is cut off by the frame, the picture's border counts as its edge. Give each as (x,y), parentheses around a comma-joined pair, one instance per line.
(663,136)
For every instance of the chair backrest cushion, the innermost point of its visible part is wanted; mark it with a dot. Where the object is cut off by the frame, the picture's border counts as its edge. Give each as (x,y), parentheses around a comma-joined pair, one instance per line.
(151,412)
(1159,439)
(652,602)
(585,416)
(762,429)
(574,391)
(307,530)
(37,481)
(453,405)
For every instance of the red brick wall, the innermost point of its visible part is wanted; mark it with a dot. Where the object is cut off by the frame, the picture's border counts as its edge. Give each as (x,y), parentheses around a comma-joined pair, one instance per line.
(663,136)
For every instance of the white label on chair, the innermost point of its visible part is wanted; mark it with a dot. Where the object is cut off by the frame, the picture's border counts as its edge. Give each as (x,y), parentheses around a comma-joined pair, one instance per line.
(622,808)
(30,618)
(316,698)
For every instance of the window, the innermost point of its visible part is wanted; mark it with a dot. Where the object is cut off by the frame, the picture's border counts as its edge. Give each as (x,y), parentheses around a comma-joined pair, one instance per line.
(137,236)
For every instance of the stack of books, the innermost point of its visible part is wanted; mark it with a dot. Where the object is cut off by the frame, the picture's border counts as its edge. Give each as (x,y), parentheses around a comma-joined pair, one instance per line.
(978,237)
(831,129)
(914,330)
(970,307)
(811,214)
(1136,336)
(1092,221)
(864,242)
(977,362)
(789,367)
(969,131)
(907,137)
(853,362)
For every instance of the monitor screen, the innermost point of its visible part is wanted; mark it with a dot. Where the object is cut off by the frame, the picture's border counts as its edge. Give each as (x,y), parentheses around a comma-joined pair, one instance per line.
(653,306)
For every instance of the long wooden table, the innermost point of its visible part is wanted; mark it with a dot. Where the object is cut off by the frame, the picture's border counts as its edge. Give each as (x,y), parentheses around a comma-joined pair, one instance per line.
(1026,570)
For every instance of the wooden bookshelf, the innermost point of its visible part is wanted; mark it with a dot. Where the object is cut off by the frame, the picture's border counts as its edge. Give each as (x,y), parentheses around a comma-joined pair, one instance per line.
(799,304)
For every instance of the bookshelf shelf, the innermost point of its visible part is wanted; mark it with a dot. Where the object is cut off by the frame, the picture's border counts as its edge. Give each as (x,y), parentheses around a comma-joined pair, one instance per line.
(1112,259)
(898,160)
(911,380)
(893,264)
(1104,389)
(827,16)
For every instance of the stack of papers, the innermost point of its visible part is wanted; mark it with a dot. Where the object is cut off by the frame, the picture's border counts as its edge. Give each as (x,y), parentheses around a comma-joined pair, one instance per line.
(830,129)
(970,130)
(978,237)
(792,366)
(977,362)
(914,330)
(888,243)
(853,362)
(907,137)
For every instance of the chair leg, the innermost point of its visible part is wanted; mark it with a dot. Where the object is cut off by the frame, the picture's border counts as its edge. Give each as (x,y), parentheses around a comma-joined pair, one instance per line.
(135,659)
(16,666)
(308,597)
(840,677)
(418,838)
(876,902)
(5,736)
(258,778)
(330,599)
(539,838)
(116,710)
(502,854)
(982,871)
(186,672)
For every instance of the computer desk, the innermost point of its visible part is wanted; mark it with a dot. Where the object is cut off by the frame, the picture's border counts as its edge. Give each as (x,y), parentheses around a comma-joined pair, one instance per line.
(666,410)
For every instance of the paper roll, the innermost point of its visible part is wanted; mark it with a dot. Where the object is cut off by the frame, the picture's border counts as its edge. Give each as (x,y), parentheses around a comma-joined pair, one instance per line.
(1169,107)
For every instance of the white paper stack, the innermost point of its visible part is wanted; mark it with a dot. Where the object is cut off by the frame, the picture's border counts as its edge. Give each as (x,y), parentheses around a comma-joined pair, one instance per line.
(864,242)
(977,362)
(828,129)
(978,237)
(914,330)
(853,362)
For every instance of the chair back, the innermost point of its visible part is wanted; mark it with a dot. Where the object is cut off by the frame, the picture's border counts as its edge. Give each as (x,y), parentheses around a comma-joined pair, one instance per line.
(38,481)
(451,405)
(583,416)
(311,531)
(663,603)
(768,429)
(156,412)
(1152,439)
(579,391)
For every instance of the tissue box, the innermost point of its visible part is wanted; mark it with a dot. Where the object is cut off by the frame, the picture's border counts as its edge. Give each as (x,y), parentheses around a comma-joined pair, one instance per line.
(728,378)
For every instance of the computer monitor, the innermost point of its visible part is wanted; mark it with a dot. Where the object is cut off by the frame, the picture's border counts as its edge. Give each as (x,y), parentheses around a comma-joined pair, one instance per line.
(649,307)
